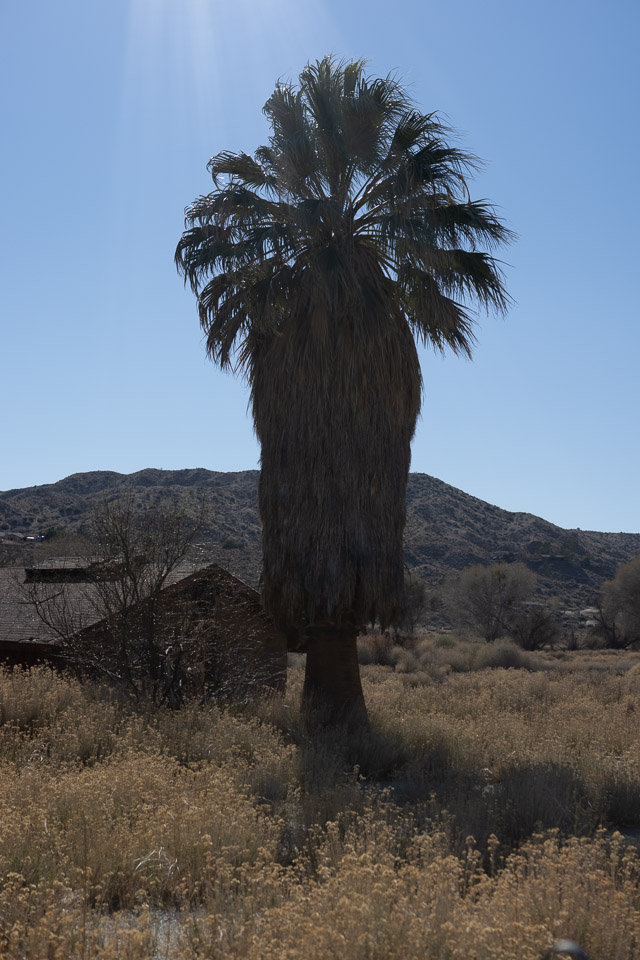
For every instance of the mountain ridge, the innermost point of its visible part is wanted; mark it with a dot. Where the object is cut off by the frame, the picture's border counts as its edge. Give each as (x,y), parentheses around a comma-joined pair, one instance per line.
(446,530)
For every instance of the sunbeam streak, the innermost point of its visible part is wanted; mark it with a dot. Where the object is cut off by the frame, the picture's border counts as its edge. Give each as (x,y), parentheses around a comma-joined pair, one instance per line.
(196,60)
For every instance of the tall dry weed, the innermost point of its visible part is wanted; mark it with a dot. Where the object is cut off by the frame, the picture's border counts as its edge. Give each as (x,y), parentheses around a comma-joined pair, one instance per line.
(468,824)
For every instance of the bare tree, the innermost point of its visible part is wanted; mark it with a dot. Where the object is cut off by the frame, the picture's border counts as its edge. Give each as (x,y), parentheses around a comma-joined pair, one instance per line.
(107,611)
(534,627)
(486,598)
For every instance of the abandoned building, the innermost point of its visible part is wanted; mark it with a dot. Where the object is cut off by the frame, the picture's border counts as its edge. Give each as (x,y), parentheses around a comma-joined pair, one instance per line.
(57,614)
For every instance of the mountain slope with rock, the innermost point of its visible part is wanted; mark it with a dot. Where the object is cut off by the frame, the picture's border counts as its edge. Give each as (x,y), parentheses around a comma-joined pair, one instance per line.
(446,529)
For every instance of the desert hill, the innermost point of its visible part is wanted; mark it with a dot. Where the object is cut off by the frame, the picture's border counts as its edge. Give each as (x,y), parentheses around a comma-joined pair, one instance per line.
(446,528)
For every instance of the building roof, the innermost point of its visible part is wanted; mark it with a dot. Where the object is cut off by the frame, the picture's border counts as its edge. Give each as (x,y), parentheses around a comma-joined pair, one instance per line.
(18,618)
(19,621)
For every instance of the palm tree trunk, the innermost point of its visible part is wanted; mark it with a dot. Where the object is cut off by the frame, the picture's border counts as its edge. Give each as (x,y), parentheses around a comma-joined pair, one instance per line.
(332,692)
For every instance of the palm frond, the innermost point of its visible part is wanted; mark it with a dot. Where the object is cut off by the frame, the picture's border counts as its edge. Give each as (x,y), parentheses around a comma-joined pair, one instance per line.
(454,224)
(471,275)
(291,142)
(436,319)
(243,167)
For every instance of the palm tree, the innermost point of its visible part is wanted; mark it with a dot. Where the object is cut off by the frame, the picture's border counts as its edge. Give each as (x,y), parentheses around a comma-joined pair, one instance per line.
(317,263)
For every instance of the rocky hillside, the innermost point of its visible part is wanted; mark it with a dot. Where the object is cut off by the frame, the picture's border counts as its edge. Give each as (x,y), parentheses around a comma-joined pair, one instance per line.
(446,528)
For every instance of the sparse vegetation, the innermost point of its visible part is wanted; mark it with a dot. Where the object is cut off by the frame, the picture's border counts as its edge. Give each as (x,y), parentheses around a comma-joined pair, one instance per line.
(436,656)
(219,833)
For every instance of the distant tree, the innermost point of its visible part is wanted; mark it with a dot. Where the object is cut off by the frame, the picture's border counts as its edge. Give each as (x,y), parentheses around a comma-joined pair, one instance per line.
(619,607)
(486,598)
(414,605)
(533,628)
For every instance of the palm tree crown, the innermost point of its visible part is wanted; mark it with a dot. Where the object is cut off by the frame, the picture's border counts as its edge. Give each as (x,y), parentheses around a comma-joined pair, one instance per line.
(317,263)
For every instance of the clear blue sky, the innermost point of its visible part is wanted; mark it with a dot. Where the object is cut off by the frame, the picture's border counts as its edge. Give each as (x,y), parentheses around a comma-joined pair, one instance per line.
(110,111)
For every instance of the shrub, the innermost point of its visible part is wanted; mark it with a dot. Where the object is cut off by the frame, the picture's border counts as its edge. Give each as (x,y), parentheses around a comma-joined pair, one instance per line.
(505,654)
(534,628)
(375,648)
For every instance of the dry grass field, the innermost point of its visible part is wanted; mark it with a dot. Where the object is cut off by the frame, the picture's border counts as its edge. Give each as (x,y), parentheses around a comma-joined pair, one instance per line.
(490,812)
